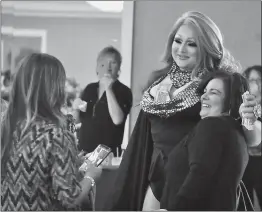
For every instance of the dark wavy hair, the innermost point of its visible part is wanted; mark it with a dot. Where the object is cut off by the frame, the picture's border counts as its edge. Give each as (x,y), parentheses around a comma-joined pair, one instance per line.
(235,85)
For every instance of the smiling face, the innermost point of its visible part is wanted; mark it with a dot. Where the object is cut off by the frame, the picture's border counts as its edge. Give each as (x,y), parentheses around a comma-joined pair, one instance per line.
(184,47)
(108,64)
(212,101)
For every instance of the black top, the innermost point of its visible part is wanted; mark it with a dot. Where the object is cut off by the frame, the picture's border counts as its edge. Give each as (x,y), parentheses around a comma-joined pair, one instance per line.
(204,169)
(97,125)
(166,134)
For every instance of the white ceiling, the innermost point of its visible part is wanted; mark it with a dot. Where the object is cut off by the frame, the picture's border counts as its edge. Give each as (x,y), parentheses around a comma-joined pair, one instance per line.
(79,9)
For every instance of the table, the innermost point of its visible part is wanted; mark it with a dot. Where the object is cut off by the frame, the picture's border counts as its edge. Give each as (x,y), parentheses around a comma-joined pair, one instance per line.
(104,187)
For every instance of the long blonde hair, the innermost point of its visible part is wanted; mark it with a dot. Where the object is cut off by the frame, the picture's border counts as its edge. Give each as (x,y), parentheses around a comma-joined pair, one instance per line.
(213,54)
(38,90)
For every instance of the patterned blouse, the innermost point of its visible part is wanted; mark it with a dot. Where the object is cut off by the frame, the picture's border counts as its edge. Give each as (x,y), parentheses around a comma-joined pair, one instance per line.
(42,170)
(4,106)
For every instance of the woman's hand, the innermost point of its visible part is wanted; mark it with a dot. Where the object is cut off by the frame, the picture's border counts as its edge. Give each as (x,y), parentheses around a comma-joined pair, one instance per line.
(94,172)
(246,109)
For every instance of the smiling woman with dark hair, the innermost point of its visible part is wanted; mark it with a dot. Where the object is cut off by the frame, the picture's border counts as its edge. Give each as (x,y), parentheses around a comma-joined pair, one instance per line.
(204,170)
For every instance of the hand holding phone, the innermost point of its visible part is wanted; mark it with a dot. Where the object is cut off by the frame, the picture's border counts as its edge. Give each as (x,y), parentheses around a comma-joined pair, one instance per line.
(96,157)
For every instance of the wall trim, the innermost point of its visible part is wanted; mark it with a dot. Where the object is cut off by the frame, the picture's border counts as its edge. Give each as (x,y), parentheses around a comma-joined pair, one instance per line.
(127,49)
(19,32)
(77,9)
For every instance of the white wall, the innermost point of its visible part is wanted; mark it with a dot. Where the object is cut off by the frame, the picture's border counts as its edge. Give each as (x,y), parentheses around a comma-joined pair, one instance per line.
(75,41)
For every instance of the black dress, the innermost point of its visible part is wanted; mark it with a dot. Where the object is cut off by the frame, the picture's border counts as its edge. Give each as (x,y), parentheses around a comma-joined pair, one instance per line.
(147,152)
(143,162)
(166,134)
(205,169)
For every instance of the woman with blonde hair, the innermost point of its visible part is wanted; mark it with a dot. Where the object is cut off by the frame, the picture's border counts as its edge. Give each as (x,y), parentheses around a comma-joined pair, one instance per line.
(39,154)
(170,109)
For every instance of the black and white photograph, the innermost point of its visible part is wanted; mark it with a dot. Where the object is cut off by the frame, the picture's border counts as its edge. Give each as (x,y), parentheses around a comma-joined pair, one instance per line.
(143,105)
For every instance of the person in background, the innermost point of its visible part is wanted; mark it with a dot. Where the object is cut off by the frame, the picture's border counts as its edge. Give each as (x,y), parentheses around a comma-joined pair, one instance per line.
(170,110)
(39,156)
(7,75)
(6,81)
(253,174)
(108,104)
(72,90)
(6,78)
(205,169)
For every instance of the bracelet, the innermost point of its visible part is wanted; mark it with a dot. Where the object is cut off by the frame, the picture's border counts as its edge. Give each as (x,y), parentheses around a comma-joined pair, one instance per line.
(93,183)
(257,111)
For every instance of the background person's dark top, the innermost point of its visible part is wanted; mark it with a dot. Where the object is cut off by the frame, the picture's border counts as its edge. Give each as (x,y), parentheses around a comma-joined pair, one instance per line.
(97,125)
(204,170)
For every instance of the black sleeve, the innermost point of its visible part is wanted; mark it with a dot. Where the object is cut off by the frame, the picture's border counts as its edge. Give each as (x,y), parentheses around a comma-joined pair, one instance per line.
(204,154)
(84,97)
(125,100)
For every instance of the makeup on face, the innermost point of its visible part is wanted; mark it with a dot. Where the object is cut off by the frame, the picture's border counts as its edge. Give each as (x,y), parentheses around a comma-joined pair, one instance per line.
(184,47)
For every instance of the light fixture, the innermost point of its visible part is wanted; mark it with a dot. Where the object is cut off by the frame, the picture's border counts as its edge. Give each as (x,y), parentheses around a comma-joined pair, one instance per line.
(107,6)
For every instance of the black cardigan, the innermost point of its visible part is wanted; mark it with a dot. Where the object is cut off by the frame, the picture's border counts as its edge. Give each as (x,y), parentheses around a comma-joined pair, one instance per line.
(204,170)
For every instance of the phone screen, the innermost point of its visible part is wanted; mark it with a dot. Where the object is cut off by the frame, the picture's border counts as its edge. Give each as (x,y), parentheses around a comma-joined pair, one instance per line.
(99,154)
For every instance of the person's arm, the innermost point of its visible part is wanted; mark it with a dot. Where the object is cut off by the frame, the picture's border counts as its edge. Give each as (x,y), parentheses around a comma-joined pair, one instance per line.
(204,154)
(253,137)
(122,102)
(115,111)
(68,191)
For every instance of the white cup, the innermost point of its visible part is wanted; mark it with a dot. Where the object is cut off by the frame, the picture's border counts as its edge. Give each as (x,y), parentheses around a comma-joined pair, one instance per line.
(116,161)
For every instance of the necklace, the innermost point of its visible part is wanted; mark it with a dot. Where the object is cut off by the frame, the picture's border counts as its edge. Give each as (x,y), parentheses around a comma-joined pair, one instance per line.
(178,77)
(186,98)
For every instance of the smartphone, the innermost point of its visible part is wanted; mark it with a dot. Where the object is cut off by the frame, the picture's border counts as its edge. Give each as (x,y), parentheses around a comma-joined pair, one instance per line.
(97,157)
(99,154)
